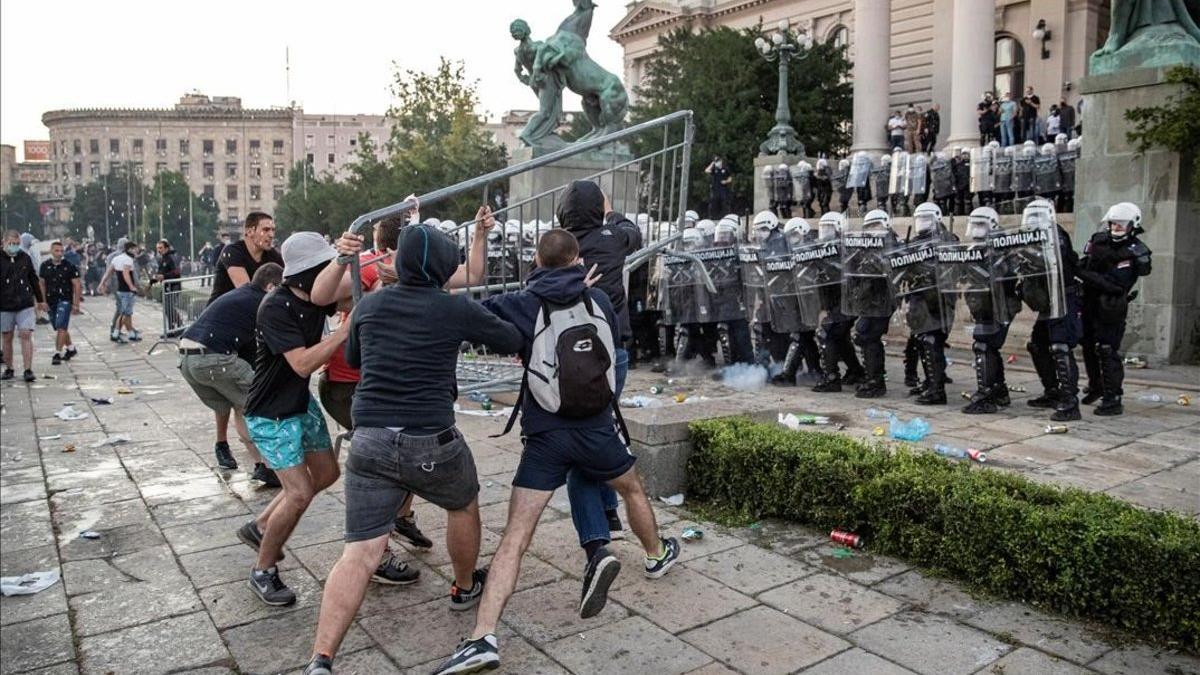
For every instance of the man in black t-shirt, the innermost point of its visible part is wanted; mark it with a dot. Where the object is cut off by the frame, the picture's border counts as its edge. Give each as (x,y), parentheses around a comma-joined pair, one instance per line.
(721,196)
(237,262)
(284,420)
(1031,106)
(61,288)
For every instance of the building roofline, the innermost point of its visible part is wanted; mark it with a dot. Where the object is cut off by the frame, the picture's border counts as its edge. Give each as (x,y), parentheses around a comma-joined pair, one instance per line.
(166,113)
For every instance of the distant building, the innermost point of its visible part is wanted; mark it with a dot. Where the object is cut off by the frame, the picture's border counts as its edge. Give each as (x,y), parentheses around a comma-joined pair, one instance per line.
(505,130)
(8,167)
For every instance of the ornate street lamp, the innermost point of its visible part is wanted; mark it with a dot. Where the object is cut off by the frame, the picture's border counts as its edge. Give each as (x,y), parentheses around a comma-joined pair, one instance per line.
(783,46)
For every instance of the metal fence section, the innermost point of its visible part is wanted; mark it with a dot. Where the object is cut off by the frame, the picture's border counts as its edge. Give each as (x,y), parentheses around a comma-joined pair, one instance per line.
(646,177)
(183,300)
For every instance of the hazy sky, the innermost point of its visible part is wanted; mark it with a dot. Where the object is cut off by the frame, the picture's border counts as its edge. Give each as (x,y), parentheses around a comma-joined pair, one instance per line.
(136,53)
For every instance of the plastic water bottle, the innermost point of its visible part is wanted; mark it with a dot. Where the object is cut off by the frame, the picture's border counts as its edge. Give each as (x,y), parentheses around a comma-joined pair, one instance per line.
(1152,398)
(875,414)
(478,397)
(960,453)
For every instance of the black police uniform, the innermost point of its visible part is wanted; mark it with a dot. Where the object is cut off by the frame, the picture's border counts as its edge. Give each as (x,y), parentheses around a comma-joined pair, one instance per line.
(869,330)
(1052,341)
(960,169)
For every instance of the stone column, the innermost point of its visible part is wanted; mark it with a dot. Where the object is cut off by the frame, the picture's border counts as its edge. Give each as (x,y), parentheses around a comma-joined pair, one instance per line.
(973,69)
(872,79)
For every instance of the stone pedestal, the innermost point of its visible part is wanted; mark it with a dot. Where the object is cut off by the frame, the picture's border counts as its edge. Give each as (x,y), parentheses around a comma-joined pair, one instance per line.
(1164,322)
(621,185)
(762,199)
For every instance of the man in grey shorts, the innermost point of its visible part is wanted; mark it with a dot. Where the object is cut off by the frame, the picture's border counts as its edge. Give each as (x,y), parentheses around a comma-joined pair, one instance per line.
(20,298)
(405,340)
(216,354)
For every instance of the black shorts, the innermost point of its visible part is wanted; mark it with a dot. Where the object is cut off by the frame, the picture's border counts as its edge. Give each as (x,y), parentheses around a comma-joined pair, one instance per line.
(598,453)
(384,466)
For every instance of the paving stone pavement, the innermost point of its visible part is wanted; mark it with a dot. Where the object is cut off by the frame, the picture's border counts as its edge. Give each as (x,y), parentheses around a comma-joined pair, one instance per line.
(163,588)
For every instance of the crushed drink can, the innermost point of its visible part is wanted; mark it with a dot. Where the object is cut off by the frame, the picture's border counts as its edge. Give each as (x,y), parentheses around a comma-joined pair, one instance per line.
(680,398)
(692,534)
(656,389)
(485,405)
(845,538)
(1183,400)
(977,455)
(1018,388)
(878,431)
(1056,428)
(1012,358)
(966,396)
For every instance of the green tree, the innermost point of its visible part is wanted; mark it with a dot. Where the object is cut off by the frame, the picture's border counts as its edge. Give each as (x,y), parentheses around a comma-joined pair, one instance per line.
(19,210)
(316,204)
(176,210)
(1173,125)
(720,76)
(108,194)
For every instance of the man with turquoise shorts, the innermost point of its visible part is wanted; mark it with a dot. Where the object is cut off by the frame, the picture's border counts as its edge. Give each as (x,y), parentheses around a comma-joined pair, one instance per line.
(284,420)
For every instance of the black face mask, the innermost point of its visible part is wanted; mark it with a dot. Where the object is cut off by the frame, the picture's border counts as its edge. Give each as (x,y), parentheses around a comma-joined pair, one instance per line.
(303,281)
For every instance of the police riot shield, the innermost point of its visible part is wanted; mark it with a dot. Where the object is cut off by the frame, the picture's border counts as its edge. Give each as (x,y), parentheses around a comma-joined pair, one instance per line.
(839,178)
(898,180)
(754,288)
(1028,257)
(1045,174)
(866,289)
(982,177)
(918,175)
(783,305)
(1066,170)
(1022,180)
(941,178)
(802,174)
(785,192)
(682,296)
(725,302)
(818,273)
(860,171)
(912,269)
(880,178)
(965,273)
(1002,170)
(503,264)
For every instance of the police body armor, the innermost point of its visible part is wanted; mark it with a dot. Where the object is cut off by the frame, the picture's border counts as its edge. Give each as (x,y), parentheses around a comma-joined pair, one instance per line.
(1022,180)
(918,175)
(682,296)
(898,180)
(725,304)
(1028,258)
(783,305)
(785,195)
(803,181)
(754,288)
(860,172)
(982,175)
(838,179)
(866,290)
(1045,175)
(880,179)
(914,284)
(965,273)
(818,273)
(1066,170)
(1002,169)
(941,178)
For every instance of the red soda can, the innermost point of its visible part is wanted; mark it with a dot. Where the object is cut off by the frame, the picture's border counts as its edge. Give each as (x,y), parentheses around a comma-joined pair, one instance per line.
(846,538)
(1012,358)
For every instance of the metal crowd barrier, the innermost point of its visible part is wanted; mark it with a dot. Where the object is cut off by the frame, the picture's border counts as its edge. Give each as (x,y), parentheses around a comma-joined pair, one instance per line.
(183,300)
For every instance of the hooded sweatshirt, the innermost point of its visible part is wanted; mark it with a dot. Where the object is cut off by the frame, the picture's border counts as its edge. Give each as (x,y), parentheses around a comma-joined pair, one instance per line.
(405,338)
(559,285)
(604,241)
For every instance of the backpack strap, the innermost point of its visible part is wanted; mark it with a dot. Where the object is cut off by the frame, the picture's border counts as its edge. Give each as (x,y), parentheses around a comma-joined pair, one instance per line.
(512,418)
(621,428)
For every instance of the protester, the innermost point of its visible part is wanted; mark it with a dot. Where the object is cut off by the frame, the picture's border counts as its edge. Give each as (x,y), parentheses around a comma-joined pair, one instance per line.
(95,269)
(1031,106)
(284,420)
(61,288)
(1067,112)
(1053,122)
(555,444)
(216,358)
(405,340)
(931,125)
(1008,117)
(20,298)
(912,128)
(122,267)
(987,113)
(895,129)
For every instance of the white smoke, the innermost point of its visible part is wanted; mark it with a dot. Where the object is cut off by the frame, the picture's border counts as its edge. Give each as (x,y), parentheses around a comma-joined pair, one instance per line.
(744,377)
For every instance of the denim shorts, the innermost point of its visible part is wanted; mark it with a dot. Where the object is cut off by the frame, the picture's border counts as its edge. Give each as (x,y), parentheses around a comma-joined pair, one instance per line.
(283,442)
(598,454)
(384,466)
(125,303)
(60,315)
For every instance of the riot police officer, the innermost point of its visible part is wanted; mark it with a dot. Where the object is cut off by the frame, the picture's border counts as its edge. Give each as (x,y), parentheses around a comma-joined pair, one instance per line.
(819,285)
(802,175)
(913,267)
(866,294)
(1114,259)
(840,184)
(822,182)
(960,170)
(784,308)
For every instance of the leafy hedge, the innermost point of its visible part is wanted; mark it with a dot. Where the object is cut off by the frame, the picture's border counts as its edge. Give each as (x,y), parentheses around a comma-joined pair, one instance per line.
(1081,553)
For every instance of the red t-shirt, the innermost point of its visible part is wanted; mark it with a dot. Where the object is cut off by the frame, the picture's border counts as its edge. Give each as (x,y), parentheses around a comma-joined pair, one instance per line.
(337,370)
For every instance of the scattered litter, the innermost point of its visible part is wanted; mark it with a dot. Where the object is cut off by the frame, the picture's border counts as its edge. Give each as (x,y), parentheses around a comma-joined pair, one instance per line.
(503,412)
(692,534)
(1018,388)
(673,500)
(110,440)
(966,395)
(1183,400)
(488,484)
(1012,358)
(1030,459)
(1135,362)
(656,389)
(680,398)
(55,437)
(690,399)
(794,422)
(28,584)
(153,392)
(877,431)
(132,380)
(69,447)
(89,534)
(841,553)
(641,402)
(1151,398)
(478,397)
(756,526)
(16,458)
(913,430)
(70,414)
(846,538)
(47,376)
(876,414)
(1056,429)
(102,401)
(124,390)
(960,453)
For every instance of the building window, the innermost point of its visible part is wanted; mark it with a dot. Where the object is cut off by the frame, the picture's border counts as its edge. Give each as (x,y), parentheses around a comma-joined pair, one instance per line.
(231,170)
(255,193)
(209,170)
(1010,67)
(78,147)
(838,36)
(94,146)
(330,141)
(332,159)
(234,218)
(255,144)
(231,192)
(210,192)
(114,146)
(277,171)
(309,158)
(208,148)
(277,147)
(137,146)
(114,167)
(278,192)
(160,167)
(95,169)
(138,169)
(353,142)
(184,147)
(309,139)
(231,146)
(185,168)
(160,146)
(78,169)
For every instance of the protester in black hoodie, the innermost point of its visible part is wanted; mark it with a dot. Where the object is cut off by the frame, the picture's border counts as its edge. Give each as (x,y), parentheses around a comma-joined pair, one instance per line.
(405,340)
(554,445)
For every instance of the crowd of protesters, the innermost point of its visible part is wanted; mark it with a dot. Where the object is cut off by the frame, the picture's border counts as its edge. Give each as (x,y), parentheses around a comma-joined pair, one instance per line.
(1009,120)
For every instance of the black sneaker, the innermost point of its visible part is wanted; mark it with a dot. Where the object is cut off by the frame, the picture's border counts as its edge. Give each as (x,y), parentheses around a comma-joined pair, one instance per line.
(270,588)
(406,526)
(264,473)
(56,360)
(599,574)
(250,535)
(225,458)
(462,600)
(29,376)
(70,354)
(8,374)
(395,573)
(319,665)
(1043,401)
(616,531)
(656,567)
(472,656)
(135,336)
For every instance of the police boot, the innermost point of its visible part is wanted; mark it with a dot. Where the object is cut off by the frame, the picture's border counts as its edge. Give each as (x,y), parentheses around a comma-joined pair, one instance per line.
(873,386)
(791,364)
(811,355)
(1044,364)
(855,374)
(933,361)
(1066,406)
(830,380)
(1112,373)
(982,402)
(685,348)
(723,343)
(1091,365)
(912,353)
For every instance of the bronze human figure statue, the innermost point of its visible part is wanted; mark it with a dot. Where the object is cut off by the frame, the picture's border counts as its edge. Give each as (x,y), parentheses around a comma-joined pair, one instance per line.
(562,60)
(1149,34)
